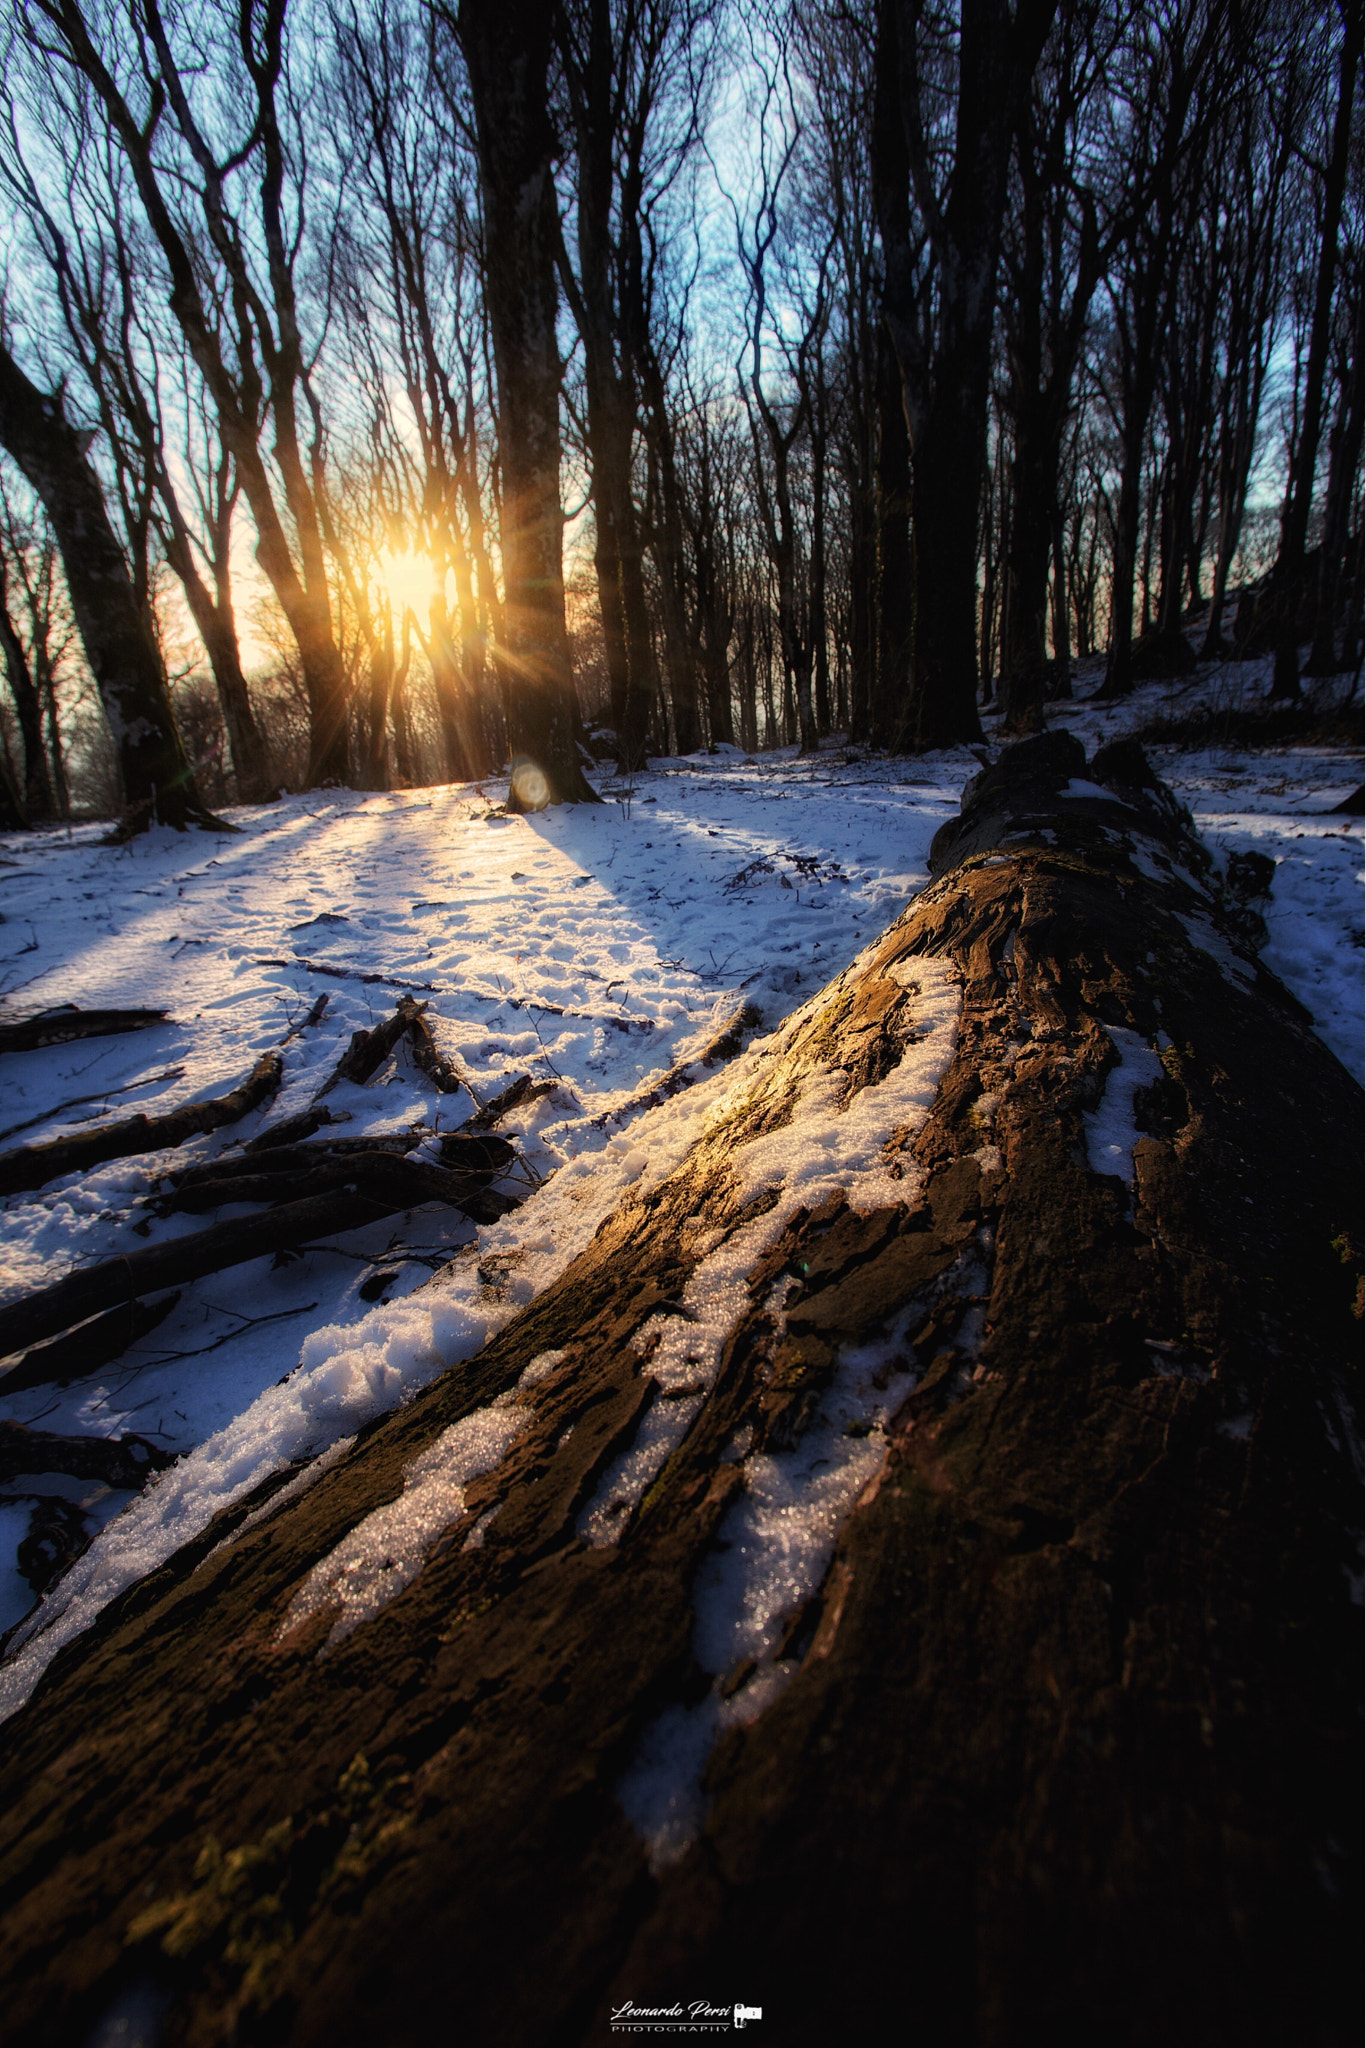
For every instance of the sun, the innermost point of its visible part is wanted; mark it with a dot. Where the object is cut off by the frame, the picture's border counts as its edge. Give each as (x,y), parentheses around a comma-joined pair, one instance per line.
(408,578)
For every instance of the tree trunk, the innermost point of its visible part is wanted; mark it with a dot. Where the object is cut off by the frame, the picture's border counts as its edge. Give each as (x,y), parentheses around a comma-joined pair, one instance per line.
(894,607)
(1343,464)
(948,463)
(36,799)
(1289,571)
(158,785)
(985,1602)
(375,774)
(945,361)
(218,631)
(1119,679)
(507,51)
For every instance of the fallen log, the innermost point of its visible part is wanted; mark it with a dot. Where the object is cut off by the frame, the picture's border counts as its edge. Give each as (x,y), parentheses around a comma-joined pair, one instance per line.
(61,1026)
(379,1185)
(977,1634)
(32,1166)
(86,1349)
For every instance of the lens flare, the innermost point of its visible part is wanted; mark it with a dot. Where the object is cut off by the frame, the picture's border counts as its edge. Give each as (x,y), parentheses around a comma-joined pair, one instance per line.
(529,789)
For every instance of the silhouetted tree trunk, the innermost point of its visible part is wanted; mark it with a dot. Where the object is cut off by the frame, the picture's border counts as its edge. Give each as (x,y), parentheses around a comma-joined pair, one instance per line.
(35,784)
(158,786)
(945,358)
(1289,572)
(218,630)
(1344,461)
(894,611)
(507,51)
(1045,321)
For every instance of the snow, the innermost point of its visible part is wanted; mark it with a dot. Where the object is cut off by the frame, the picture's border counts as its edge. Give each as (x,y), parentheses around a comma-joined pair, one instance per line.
(1111,1132)
(771,1554)
(594,947)
(386,1551)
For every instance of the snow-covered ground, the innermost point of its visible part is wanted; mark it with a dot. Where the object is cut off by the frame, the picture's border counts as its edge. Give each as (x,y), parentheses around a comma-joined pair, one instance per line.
(590,947)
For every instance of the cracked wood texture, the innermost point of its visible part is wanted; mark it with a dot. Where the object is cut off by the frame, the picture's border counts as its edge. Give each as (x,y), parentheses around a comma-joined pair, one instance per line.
(1070,1748)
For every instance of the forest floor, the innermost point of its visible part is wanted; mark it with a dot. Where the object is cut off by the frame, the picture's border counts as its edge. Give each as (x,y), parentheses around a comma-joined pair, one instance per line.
(593,948)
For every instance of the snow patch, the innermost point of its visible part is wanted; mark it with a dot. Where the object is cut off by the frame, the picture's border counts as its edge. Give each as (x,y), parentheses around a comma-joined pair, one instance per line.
(1111,1132)
(771,1554)
(384,1553)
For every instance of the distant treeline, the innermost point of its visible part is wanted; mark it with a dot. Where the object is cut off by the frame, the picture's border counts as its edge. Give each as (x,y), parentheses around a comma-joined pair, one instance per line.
(715,373)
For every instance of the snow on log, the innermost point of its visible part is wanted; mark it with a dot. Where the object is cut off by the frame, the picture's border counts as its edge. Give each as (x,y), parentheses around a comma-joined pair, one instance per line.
(903,1561)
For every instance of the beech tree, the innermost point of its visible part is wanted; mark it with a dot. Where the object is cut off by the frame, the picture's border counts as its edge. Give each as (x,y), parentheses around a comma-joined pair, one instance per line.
(120,646)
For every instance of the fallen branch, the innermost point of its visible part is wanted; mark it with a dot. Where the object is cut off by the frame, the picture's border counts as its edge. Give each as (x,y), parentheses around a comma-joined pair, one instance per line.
(54,1111)
(285,1159)
(32,1166)
(117,1461)
(57,1535)
(368,1050)
(383,1185)
(724,1046)
(443,1073)
(294,1128)
(85,1350)
(465,1153)
(345,973)
(311,1021)
(59,1027)
(523,1089)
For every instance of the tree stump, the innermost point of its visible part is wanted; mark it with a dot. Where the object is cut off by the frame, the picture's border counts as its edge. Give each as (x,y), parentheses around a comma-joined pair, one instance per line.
(898,1577)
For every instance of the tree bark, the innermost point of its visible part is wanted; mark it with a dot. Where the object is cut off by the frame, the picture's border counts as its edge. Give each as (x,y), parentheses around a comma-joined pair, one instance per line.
(1065,1724)
(507,51)
(158,785)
